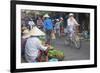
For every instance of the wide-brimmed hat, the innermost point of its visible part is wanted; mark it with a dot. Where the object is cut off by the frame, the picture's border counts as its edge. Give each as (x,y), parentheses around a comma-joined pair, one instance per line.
(71,14)
(57,19)
(23,28)
(26,34)
(36,32)
(46,15)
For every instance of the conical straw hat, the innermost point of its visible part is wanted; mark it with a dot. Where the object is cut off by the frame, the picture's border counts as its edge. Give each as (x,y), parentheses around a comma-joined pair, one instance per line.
(36,32)
(26,33)
(46,15)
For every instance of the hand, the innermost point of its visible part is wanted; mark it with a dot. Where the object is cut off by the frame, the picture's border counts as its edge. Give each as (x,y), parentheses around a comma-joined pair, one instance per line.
(78,24)
(48,46)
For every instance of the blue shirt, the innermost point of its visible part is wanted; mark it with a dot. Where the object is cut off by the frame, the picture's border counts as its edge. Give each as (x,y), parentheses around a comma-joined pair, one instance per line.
(48,24)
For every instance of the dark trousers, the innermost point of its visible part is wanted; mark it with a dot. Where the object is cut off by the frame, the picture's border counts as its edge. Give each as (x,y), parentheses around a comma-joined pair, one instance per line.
(48,36)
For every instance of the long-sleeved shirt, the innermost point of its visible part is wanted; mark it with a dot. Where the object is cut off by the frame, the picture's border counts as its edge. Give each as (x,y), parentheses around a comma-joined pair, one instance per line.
(72,21)
(48,24)
(32,47)
(71,24)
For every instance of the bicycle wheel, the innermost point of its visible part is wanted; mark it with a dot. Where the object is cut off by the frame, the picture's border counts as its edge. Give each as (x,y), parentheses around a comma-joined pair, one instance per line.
(67,40)
(77,42)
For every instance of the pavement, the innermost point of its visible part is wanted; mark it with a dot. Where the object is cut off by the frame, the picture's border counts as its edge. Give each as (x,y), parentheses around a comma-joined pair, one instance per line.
(72,53)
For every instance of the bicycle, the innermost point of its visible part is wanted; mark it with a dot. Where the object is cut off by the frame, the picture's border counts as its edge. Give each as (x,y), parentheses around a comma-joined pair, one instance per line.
(74,40)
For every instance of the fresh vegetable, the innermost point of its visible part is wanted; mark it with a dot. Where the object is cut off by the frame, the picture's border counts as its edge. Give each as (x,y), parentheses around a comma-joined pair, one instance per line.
(52,53)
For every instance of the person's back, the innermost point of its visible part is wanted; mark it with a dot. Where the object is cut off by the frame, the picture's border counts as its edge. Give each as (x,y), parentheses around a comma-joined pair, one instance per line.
(48,24)
(71,24)
(32,47)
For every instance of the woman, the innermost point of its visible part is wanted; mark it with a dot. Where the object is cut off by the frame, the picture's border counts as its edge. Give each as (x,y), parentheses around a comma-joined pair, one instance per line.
(40,23)
(61,26)
(72,23)
(57,27)
(34,45)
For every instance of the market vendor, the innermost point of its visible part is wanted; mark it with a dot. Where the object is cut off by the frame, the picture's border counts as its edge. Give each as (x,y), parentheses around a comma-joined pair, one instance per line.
(34,45)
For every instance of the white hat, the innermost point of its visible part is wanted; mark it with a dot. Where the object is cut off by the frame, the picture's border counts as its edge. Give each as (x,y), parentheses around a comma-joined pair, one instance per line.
(36,32)
(46,15)
(57,19)
(71,14)
(61,18)
(26,33)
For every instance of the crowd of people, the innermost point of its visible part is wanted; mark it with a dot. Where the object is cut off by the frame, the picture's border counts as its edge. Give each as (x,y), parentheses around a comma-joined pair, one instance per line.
(44,26)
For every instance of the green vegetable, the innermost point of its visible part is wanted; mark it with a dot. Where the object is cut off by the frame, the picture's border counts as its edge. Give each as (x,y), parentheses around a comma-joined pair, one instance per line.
(56,54)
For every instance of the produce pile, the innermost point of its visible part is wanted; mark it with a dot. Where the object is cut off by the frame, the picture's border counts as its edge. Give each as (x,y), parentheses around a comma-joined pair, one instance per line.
(53,53)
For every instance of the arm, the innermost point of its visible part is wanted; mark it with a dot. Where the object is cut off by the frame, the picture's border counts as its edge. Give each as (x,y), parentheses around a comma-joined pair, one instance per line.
(76,23)
(40,46)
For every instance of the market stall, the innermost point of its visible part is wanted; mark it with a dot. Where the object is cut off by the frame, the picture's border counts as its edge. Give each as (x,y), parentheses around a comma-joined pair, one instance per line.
(52,54)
